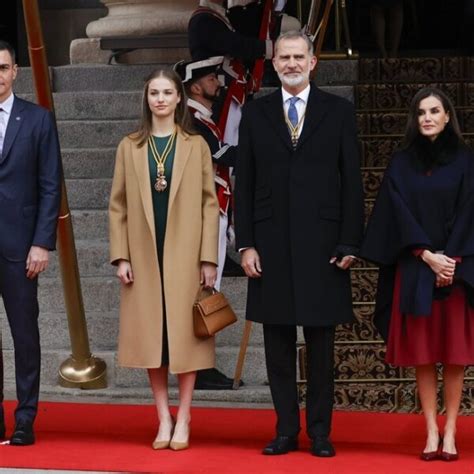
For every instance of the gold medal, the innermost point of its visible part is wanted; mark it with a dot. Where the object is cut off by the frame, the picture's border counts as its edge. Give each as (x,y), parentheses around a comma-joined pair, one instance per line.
(161,184)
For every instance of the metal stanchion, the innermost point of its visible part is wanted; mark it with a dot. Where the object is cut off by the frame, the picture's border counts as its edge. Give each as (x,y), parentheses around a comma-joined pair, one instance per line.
(81,369)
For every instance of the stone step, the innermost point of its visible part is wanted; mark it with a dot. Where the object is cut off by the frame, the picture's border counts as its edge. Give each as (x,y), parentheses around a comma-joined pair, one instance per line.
(409,70)
(96,105)
(98,77)
(94,133)
(101,293)
(90,224)
(103,331)
(92,256)
(89,163)
(400,397)
(88,194)
(254,372)
(398,96)
(394,122)
(122,105)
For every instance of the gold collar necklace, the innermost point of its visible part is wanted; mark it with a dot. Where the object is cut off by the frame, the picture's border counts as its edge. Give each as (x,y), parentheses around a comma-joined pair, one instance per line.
(161,184)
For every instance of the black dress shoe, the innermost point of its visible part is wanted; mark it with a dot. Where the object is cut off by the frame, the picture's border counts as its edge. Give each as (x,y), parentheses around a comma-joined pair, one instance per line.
(23,434)
(281,445)
(212,379)
(322,447)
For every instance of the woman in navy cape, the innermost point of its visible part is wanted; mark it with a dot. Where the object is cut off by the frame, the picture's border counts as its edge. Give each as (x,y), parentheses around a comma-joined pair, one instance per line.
(421,234)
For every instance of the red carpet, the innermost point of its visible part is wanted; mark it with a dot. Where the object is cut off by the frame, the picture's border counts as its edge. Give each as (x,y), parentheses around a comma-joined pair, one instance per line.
(118,438)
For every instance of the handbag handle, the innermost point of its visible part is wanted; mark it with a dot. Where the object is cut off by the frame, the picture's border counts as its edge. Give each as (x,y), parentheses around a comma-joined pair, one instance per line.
(205,291)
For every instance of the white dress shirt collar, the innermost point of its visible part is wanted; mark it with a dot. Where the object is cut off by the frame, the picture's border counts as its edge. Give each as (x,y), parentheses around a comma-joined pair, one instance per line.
(7,105)
(303,95)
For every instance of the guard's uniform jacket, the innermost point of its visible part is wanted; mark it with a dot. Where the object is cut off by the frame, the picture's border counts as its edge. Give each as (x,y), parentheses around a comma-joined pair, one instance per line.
(210,33)
(223,155)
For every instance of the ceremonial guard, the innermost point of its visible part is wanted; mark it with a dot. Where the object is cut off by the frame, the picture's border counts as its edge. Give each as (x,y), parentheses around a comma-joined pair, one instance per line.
(202,88)
(211,34)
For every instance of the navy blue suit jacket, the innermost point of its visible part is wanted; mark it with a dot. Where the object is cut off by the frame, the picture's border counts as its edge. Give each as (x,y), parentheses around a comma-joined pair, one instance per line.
(30,181)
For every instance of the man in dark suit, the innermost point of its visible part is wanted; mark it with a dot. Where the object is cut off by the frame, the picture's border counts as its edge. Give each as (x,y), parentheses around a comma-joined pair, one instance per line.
(299,221)
(30,190)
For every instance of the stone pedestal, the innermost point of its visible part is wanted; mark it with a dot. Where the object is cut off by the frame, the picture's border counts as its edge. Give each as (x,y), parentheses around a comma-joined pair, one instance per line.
(136,18)
(142,18)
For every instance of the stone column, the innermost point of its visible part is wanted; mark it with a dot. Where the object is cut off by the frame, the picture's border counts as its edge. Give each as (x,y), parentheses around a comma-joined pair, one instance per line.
(136,18)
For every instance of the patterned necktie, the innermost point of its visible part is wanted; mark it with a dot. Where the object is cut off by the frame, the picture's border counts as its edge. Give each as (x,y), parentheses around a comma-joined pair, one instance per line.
(292,112)
(2,129)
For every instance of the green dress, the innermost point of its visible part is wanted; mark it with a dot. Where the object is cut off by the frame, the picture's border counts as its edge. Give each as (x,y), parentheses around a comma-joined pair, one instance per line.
(160,212)
(160,200)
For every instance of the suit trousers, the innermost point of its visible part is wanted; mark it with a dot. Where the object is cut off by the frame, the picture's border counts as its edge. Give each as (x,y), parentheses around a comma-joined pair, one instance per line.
(280,354)
(20,297)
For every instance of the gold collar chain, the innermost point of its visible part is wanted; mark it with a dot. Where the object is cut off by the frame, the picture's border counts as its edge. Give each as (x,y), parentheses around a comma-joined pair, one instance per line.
(294,130)
(161,183)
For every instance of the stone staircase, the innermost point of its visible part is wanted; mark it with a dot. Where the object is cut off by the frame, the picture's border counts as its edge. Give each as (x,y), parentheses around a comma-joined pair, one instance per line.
(95,107)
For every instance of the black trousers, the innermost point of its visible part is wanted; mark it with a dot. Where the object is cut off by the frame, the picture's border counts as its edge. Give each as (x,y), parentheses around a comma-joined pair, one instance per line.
(20,297)
(280,354)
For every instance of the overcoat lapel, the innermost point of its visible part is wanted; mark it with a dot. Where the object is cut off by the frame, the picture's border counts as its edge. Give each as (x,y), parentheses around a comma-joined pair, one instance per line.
(183,150)
(140,162)
(316,109)
(16,119)
(276,115)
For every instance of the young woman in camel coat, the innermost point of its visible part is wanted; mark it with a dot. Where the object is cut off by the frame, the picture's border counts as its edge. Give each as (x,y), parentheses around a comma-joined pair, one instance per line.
(164,244)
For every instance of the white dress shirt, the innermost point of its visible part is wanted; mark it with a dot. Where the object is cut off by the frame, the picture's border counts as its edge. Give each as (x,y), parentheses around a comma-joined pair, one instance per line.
(5,113)
(300,104)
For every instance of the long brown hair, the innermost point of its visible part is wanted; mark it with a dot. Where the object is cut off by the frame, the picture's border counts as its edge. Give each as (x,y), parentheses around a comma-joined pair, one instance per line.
(182,117)
(412,129)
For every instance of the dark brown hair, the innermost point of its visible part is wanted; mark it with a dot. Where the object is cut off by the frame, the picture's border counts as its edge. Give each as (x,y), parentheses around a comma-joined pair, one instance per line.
(412,131)
(182,117)
(4,46)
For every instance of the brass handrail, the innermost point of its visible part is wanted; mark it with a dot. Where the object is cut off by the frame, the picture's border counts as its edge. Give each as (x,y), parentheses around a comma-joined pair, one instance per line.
(81,369)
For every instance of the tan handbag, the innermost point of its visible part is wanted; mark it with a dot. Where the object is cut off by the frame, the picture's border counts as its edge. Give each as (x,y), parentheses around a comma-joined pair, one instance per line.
(211,313)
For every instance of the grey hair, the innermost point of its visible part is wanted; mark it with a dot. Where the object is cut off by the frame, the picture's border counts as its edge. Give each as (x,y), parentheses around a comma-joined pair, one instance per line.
(295,34)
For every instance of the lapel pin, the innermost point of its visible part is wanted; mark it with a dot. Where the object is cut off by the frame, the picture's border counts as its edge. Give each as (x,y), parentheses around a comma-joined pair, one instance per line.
(18,118)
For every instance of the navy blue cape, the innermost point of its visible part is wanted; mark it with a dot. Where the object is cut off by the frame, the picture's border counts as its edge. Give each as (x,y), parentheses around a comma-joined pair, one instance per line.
(420,210)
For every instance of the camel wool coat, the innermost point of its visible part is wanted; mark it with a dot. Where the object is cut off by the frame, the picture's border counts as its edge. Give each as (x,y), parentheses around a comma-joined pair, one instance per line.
(191,238)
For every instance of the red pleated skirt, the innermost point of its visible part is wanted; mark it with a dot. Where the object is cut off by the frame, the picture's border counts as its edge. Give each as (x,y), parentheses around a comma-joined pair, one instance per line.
(446,336)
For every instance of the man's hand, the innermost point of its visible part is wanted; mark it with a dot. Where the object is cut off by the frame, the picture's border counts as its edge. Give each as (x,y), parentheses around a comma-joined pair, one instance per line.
(37,261)
(250,262)
(345,262)
(208,274)
(124,272)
